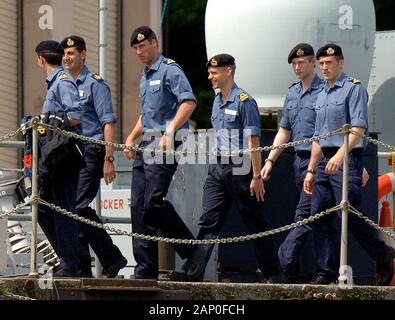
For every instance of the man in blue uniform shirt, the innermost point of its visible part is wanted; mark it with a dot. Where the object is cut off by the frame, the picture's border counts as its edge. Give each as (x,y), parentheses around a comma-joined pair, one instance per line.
(235,117)
(167,103)
(61,187)
(297,123)
(98,123)
(343,100)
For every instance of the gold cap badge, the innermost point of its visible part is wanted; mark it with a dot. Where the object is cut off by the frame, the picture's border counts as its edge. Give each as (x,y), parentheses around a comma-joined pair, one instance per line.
(300,53)
(140,37)
(70,42)
(330,51)
(213,62)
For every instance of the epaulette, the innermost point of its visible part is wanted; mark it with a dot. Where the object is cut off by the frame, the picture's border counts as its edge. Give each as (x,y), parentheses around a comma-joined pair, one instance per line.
(293,84)
(96,77)
(170,61)
(243,96)
(63,76)
(355,81)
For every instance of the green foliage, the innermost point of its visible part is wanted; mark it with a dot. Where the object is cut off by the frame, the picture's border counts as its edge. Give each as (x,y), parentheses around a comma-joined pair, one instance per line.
(3,290)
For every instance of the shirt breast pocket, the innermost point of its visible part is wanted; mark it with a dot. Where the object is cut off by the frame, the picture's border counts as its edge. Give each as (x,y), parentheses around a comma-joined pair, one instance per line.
(309,113)
(154,89)
(339,110)
(229,121)
(292,108)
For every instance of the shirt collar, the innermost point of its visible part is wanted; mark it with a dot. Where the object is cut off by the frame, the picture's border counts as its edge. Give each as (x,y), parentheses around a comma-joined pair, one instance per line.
(82,75)
(339,82)
(315,84)
(156,64)
(50,78)
(231,96)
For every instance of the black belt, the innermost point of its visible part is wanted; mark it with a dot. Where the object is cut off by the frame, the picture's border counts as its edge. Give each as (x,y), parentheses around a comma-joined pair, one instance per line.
(303,154)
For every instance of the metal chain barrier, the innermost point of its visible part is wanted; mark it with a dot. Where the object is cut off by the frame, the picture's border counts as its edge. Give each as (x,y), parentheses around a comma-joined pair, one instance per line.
(17,297)
(185,153)
(13,133)
(371,222)
(188,241)
(17,209)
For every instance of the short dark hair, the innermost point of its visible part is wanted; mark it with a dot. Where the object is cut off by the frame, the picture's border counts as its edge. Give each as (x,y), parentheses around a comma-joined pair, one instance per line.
(53,59)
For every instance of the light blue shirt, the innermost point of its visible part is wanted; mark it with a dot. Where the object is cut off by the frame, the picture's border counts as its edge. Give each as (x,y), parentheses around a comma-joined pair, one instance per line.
(162,89)
(95,97)
(62,96)
(230,118)
(299,111)
(345,102)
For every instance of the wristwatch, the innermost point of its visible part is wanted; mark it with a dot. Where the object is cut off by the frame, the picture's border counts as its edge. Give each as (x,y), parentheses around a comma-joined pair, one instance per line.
(257,177)
(109,158)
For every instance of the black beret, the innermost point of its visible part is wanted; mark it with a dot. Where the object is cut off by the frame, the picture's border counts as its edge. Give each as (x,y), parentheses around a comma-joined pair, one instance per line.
(329,50)
(301,50)
(140,34)
(73,41)
(49,46)
(221,60)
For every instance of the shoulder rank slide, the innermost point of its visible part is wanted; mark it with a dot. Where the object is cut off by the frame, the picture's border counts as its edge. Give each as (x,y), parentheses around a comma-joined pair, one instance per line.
(170,61)
(355,81)
(96,76)
(243,96)
(292,85)
(63,76)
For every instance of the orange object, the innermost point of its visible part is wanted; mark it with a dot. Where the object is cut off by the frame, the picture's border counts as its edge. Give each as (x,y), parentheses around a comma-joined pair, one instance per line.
(385,215)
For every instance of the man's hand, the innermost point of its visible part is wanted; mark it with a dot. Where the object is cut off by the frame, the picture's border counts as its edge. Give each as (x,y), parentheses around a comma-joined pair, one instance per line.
(129,154)
(334,163)
(165,143)
(308,183)
(109,172)
(266,170)
(258,189)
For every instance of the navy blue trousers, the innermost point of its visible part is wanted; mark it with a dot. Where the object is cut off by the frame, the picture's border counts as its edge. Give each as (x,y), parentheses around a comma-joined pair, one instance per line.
(327,192)
(290,250)
(61,231)
(88,186)
(151,211)
(222,188)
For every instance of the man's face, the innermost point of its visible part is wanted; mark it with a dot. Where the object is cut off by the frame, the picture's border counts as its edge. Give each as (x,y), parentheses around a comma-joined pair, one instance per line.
(219,76)
(331,68)
(303,67)
(73,59)
(146,50)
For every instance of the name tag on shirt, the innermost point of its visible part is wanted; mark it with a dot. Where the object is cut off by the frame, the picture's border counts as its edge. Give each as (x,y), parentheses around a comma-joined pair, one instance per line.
(231,112)
(81,93)
(154,82)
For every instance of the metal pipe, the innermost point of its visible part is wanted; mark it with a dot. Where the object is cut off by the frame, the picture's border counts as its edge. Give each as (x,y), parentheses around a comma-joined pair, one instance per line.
(344,277)
(103,44)
(384,155)
(33,250)
(12,144)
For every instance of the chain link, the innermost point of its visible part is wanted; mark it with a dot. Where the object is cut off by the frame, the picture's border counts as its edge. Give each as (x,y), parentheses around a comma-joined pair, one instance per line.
(371,222)
(12,134)
(17,297)
(17,209)
(189,241)
(185,153)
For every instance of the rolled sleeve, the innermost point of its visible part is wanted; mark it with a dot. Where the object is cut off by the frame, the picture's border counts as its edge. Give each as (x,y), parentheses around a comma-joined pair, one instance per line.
(179,85)
(250,117)
(358,107)
(284,122)
(103,103)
